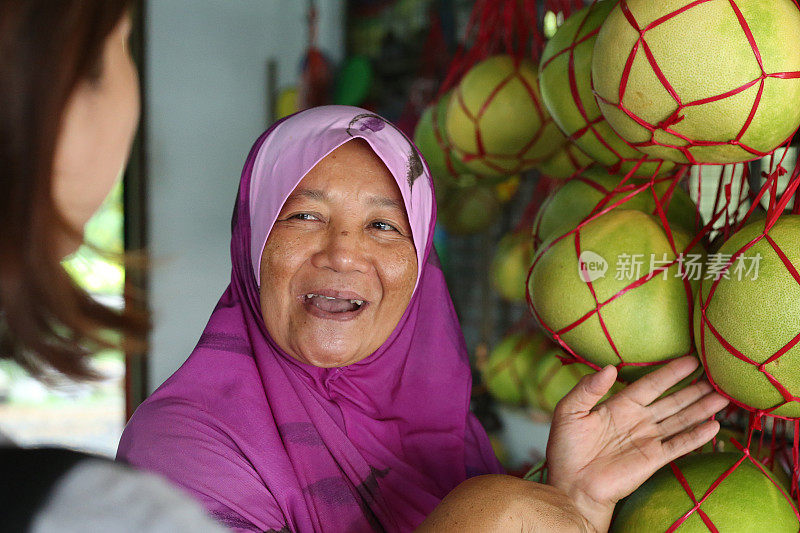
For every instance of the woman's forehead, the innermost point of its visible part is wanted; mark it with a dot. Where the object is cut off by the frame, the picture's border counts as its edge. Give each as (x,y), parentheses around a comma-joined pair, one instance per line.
(352,169)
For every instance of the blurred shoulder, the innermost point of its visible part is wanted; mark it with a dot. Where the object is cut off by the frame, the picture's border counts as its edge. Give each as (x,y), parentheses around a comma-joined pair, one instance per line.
(53,489)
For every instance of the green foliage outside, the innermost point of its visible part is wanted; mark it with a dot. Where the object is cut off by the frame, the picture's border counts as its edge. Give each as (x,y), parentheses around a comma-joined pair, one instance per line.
(97,265)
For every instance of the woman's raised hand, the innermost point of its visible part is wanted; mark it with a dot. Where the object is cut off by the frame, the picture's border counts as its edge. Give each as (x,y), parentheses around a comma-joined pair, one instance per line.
(598,454)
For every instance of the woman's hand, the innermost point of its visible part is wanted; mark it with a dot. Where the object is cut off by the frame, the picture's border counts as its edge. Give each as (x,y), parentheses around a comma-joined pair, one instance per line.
(599,454)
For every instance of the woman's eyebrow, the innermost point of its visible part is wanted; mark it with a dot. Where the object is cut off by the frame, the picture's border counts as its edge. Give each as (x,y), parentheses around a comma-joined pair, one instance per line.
(384,201)
(320,195)
(310,194)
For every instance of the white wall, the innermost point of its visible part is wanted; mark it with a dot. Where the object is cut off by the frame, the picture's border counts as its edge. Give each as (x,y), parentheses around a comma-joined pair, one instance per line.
(207,102)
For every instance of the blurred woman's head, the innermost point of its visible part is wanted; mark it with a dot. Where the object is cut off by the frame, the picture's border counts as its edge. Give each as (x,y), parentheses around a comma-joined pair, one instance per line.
(69,106)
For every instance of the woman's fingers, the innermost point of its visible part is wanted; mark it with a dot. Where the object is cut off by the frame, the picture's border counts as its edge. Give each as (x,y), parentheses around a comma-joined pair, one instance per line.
(585,395)
(687,441)
(698,411)
(645,390)
(675,403)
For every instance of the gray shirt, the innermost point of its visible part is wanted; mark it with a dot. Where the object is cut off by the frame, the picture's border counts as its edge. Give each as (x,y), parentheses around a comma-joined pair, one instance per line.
(96,495)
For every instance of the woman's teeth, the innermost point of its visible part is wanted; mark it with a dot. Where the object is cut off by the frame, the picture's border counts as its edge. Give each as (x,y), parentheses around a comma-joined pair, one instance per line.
(318,299)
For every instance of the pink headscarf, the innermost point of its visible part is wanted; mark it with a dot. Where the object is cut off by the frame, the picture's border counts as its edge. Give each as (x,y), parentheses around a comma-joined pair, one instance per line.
(269,443)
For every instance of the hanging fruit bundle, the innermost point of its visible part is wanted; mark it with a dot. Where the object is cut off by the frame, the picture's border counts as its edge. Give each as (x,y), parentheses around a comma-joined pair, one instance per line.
(488,122)
(683,238)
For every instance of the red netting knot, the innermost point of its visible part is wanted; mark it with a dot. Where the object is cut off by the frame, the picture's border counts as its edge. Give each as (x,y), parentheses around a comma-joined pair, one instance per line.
(671,120)
(565,359)
(757,416)
(778,172)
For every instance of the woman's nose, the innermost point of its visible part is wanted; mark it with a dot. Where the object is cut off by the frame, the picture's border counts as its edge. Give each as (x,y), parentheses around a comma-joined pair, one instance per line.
(344,250)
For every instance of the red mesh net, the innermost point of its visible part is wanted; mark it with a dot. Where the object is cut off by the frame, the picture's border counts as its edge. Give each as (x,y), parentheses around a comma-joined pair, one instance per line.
(776,447)
(726,214)
(725,203)
(512,27)
(677,116)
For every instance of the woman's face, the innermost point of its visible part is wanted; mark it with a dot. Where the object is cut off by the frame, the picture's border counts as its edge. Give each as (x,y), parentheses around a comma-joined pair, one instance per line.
(97,131)
(339,265)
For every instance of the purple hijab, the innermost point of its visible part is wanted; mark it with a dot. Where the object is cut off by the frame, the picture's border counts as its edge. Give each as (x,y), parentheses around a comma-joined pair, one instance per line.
(269,443)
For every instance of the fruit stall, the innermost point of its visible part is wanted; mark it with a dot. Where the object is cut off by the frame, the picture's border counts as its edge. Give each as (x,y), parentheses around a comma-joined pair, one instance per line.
(617,185)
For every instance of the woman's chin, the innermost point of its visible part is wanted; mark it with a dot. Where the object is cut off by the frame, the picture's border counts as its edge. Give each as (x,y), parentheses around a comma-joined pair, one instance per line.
(332,360)
(329,353)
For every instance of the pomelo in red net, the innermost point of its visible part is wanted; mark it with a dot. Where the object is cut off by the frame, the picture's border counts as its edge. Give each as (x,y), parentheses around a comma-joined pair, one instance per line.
(747,330)
(747,498)
(565,76)
(552,380)
(496,121)
(507,373)
(700,81)
(467,207)
(565,162)
(510,265)
(586,289)
(430,138)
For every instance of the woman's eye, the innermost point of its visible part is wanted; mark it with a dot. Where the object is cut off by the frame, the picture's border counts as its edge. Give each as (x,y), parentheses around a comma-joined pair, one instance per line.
(383,226)
(304,216)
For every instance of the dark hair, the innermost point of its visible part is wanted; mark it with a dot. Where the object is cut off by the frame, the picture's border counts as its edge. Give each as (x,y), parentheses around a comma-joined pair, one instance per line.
(47,48)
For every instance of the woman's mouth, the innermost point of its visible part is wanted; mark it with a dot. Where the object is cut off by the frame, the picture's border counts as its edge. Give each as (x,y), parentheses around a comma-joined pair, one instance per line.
(333,307)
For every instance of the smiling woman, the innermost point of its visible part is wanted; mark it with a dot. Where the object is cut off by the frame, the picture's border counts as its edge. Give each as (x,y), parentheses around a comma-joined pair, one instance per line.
(339,266)
(330,389)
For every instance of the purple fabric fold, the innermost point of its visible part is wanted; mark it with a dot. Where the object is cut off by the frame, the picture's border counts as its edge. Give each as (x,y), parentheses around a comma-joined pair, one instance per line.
(266,442)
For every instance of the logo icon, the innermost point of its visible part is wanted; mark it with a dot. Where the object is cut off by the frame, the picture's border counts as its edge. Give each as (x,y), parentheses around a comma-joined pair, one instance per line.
(591,266)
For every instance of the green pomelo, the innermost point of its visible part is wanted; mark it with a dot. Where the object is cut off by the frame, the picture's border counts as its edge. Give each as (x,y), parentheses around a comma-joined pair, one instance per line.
(746,501)
(576,199)
(722,443)
(564,163)
(648,323)
(702,52)
(757,317)
(507,374)
(510,265)
(468,209)
(552,380)
(498,103)
(430,138)
(568,55)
